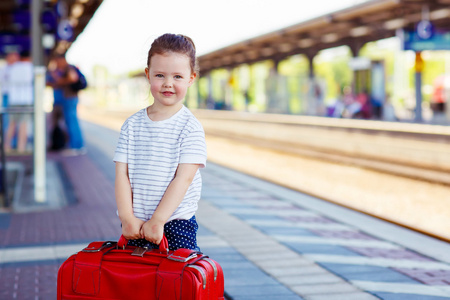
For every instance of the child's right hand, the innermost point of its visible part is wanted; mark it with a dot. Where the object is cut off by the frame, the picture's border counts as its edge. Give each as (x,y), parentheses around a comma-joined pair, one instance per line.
(131,228)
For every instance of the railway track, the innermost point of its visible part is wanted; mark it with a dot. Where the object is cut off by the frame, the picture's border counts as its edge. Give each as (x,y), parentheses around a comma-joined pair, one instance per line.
(410,150)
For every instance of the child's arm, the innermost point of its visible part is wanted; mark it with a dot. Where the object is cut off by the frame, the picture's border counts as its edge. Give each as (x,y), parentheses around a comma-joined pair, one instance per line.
(131,225)
(153,229)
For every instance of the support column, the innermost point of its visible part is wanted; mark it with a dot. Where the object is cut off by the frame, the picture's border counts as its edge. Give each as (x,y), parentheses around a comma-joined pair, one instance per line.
(418,76)
(275,102)
(228,96)
(37,50)
(210,103)
(39,153)
(314,99)
(446,90)
(355,48)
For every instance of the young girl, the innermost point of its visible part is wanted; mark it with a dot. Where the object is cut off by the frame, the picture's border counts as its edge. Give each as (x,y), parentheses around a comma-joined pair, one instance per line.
(160,151)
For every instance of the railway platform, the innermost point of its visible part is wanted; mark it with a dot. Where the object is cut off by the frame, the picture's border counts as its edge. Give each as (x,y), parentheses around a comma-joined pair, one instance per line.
(272,242)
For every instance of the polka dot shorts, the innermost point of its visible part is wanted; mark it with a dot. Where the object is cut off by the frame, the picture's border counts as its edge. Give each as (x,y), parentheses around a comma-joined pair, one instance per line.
(179,234)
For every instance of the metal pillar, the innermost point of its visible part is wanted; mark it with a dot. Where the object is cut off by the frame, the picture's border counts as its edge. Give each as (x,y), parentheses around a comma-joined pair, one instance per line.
(311,107)
(418,85)
(4,182)
(210,102)
(37,52)
(39,135)
(39,152)
(229,90)
(275,101)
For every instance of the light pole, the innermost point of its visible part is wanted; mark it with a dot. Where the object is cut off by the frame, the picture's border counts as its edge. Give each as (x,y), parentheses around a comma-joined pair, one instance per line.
(37,53)
(418,72)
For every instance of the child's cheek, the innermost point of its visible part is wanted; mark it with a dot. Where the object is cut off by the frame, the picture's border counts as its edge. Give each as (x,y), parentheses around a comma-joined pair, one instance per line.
(154,89)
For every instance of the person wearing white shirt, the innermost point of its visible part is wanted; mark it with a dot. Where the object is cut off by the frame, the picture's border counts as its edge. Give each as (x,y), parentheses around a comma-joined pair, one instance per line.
(20,94)
(11,58)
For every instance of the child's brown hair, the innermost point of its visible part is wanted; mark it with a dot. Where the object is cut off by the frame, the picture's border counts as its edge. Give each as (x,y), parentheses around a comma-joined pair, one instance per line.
(177,43)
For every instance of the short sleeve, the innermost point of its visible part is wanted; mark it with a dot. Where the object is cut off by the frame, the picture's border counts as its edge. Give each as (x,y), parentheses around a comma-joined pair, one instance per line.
(121,154)
(193,147)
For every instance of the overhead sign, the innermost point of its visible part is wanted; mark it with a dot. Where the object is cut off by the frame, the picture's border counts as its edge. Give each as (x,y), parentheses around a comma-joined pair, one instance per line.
(426,38)
(425,29)
(18,43)
(15,25)
(360,63)
(65,30)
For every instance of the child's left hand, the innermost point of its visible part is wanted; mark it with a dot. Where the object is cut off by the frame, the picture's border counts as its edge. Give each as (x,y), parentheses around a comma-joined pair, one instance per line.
(153,231)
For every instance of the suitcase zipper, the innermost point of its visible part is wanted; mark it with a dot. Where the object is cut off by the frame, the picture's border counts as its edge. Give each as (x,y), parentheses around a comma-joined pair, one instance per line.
(202,272)
(214,267)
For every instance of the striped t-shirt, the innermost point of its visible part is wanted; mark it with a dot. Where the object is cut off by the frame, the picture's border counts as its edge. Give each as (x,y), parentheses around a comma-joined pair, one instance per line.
(153,150)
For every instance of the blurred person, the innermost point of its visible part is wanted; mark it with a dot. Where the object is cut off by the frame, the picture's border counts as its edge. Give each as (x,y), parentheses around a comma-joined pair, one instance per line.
(364,101)
(11,59)
(319,97)
(351,106)
(338,108)
(58,136)
(438,103)
(315,98)
(377,108)
(160,151)
(20,94)
(389,110)
(62,79)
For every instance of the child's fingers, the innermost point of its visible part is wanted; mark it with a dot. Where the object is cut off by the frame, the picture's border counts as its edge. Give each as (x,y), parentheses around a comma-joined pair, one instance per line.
(129,236)
(132,233)
(151,237)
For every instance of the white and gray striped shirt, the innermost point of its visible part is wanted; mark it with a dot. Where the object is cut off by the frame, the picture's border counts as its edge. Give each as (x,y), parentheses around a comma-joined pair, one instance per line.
(153,150)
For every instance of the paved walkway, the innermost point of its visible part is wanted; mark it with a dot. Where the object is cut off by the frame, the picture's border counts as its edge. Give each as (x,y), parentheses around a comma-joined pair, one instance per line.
(272,242)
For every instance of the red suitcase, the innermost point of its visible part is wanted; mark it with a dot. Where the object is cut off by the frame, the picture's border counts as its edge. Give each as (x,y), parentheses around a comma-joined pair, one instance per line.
(110,270)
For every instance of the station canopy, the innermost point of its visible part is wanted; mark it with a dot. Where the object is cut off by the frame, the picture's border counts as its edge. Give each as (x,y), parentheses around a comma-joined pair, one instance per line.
(354,27)
(62,21)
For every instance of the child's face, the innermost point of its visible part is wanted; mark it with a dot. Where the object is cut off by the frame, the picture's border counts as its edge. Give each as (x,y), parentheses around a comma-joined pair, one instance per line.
(169,76)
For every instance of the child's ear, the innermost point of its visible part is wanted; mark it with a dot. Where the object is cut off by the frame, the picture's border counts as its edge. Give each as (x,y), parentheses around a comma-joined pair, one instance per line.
(192,78)
(147,74)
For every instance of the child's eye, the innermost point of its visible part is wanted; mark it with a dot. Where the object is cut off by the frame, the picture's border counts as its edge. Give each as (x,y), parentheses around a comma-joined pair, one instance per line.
(159,75)
(178,77)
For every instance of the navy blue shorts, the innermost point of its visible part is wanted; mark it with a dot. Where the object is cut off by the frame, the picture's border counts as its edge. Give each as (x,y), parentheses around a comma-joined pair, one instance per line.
(179,234)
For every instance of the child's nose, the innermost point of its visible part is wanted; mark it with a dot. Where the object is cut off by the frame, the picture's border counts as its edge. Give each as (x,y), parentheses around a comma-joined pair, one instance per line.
(167,82)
